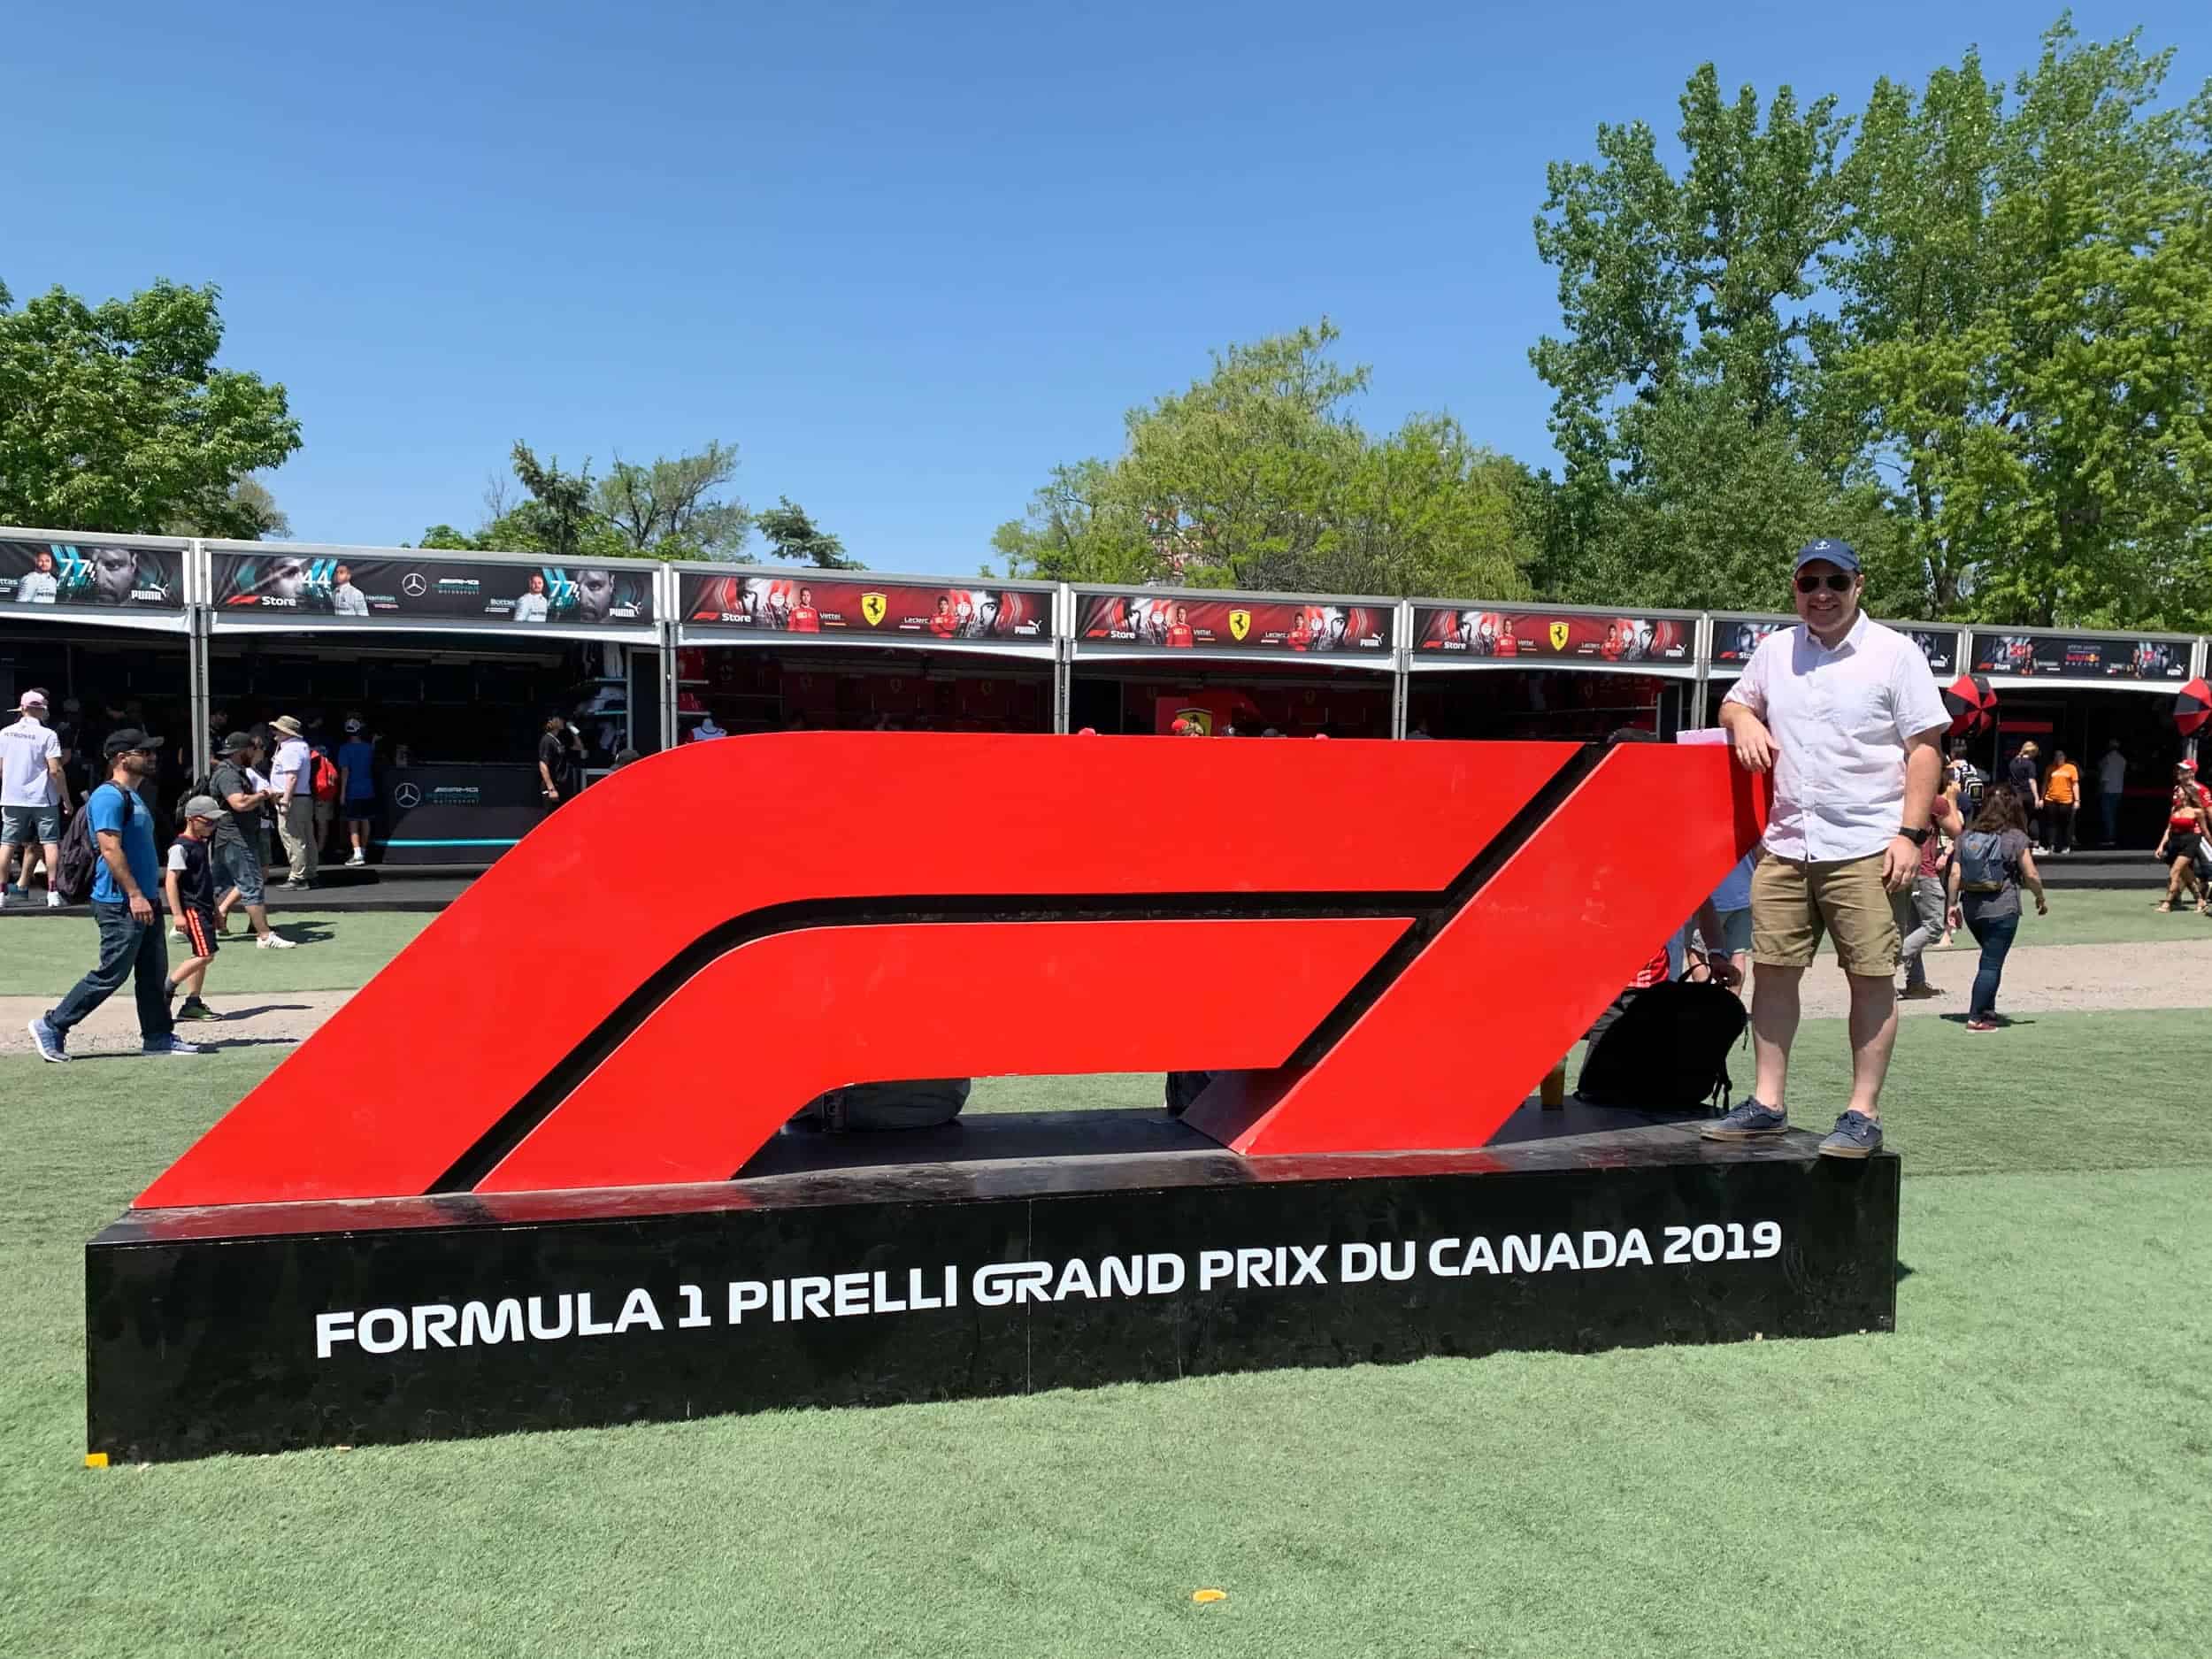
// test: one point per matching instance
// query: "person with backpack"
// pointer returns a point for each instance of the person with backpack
(235, 849)
(1923, 912)
(2183, 843)
(1994, 859)
(132, 946)
(324, 773)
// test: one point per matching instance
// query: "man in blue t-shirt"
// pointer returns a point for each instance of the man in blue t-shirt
(127, 876)
(356, 789)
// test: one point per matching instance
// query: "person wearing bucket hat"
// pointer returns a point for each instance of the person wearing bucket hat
(190, 883)
(292, 778)
(1846, 715)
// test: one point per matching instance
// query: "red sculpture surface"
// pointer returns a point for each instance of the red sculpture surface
(1390, 942)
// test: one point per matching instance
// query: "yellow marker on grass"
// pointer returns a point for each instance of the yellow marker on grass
(1209, 1596)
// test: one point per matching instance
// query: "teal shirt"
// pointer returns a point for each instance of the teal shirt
(108, 808)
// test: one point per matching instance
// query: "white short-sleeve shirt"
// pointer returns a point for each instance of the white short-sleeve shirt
(1841, 720)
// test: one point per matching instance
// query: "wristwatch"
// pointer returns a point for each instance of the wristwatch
(1919, 837)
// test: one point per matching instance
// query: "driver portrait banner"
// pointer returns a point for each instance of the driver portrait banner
(432, 590)
(906, 613)
(2073, 656)
(91, 574)
(1179, 621)
(1553, 635)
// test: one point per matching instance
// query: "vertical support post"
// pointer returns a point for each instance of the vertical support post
(1063, 656)
(1401, 666)
(199, 652)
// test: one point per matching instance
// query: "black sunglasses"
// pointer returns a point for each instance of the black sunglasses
(1838, 582)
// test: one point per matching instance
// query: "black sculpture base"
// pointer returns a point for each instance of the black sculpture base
(1006, 1263)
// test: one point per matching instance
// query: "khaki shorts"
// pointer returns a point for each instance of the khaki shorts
(1792, 904)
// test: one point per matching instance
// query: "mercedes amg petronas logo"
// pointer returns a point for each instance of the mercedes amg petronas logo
(407, 796)
(412, 585)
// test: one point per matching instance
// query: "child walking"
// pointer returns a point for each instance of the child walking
(190, 883)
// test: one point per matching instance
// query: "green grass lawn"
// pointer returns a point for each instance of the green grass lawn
(338, 950)
(2020, 1468)
(2096, 916)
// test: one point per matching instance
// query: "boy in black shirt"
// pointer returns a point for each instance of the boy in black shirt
(190, 881)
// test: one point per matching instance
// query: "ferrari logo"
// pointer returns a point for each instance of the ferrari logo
(1239, 624)
(1559, 636)
(872, 607)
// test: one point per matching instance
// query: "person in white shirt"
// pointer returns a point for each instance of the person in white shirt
(39, 586)
(1846, 715)
(292, 775)
(532, 606)
(2112, 782)
(34, 794)
(346, 600)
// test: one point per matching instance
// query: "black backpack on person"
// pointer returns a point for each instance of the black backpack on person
(1667, 1051)
(79, 862)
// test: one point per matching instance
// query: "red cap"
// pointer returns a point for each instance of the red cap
(1089, 731)
(2187, 765)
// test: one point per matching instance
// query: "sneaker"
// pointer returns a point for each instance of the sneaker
(356, 863)
(1978, 1026)
(295, 887)
(1854, 1135)
(169, 1044)
(1921, 992)
(50, 1041)
(1750, 1121)
(194, 1009)
(275, 942)
(53, 899)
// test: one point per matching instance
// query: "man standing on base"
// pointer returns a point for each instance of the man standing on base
(1846, 714)
(33, 796)
(131, 944)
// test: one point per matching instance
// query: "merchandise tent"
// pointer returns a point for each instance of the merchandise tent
(1554, 672)
(1142, 658)
(776, 649)
(2080, 692)
(451, 661)
(105, 621)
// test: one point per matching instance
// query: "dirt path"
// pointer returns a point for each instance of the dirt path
(249, 1021)
(2046, 980)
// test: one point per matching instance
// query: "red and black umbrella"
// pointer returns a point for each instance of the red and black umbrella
(2193, 706)
(1972, 704)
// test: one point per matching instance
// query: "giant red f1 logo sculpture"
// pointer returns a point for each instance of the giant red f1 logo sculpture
(1385, 945)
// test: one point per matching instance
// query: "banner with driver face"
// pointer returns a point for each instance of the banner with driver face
(429, 589)
(91, 573)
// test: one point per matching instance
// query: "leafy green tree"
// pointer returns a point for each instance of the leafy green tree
(670, 510)
(2024, 338)
(115, 418)
(1257, 475)
(793, 536)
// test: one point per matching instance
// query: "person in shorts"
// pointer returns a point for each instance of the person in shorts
(1846, 715)
(235, 849)
(189, 883)
(34, 797)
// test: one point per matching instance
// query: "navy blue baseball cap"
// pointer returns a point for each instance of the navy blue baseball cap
(1840, 554)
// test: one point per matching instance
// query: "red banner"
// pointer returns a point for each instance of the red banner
(1555, 635)
(1183, 621)
(903, 612)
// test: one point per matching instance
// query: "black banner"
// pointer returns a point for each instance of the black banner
(2073, 656)
(1735, 639)
(1939, 646)
(903, 613)
(432, 590)
(1562, 636)
(1180, 620)
(91, 574)
(455, 815)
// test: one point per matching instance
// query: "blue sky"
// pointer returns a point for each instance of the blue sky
(906, 257)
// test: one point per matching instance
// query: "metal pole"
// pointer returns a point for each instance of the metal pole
(199, 652)
(1063, 656)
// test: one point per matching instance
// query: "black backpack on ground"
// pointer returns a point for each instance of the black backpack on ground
(80, 851)
(1667, 1051)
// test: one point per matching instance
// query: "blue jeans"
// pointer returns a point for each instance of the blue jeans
(128, 951)
(1993, 934)
(2111, 804)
